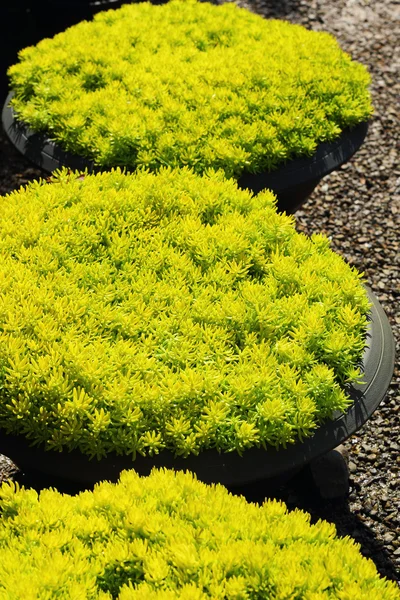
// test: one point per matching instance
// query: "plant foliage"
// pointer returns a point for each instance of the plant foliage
(169, 311)
(170, 537)
(189, 83)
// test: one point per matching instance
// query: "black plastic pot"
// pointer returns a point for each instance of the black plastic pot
(230, 469)
(292, 183)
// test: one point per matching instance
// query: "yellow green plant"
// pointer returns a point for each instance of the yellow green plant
(171, 537)
(150, 311)
(189, 84)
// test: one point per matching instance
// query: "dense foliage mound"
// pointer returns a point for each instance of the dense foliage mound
(189, 84)
(169, 310)
(170, 537)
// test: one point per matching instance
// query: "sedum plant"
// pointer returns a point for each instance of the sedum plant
(169, 311)
(189, 84)
(170, 537)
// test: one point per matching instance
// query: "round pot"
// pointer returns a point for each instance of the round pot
(230, 469)
(292, 183)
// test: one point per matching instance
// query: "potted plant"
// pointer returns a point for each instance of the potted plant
(169, 537)
(188, 83)
(175, 320)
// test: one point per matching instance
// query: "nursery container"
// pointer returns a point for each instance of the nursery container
(76, 227)
(269, 151)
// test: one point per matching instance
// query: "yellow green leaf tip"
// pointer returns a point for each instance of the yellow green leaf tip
(171, 537)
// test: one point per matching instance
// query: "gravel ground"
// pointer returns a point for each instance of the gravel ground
(358, 206)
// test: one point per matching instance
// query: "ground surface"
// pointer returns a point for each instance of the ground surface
(358, 206)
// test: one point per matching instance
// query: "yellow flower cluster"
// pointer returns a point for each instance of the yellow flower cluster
(170, 311)
(170, 537)
(189, 84)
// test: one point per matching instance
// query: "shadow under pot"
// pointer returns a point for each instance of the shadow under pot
(73, 471)
(292, 183)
